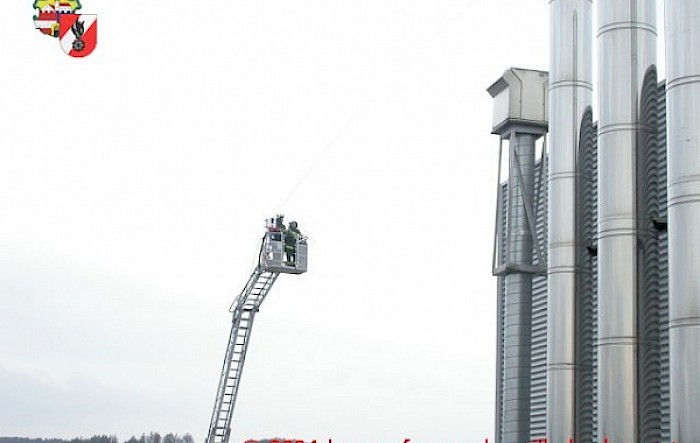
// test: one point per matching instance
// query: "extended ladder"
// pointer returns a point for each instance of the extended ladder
(281, 251)
(244, 308)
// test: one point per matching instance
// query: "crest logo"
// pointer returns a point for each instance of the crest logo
(77, 33)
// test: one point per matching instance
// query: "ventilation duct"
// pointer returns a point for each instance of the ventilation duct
(683, 119)
(627, 53)
(519, 117)
(570, 93)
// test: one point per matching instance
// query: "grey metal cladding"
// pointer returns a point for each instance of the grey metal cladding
(664, 374)
(648, 281)
(653, 388)
(586, 282)
(538, 384)
(501, 295)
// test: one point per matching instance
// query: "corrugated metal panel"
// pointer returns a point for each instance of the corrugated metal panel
(648, 277)
(663, 272)
(501, 366)
(501, 294)
(538, 383)
(586, 285)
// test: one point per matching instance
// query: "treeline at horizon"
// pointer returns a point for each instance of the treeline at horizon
(151, 437)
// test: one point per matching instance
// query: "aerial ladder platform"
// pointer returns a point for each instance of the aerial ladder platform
(283, 251)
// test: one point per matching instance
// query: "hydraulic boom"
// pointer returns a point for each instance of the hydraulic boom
(282, 251)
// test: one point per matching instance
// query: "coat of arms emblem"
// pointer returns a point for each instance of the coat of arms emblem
(77, 33)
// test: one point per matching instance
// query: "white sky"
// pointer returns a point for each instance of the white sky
(134, 185)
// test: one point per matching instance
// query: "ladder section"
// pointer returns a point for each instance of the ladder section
(244, 308)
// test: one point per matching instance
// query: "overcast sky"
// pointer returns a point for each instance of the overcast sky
(134, 185)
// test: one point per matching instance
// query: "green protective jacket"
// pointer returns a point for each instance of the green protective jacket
(290, 239)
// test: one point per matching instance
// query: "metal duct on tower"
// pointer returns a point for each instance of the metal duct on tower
(519, 116)
(518, 308)
(627, 52)
(683, 118)
(570, 94)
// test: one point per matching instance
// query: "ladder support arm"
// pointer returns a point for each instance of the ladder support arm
(244, 308)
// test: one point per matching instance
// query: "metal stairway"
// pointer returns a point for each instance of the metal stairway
(244, 308)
